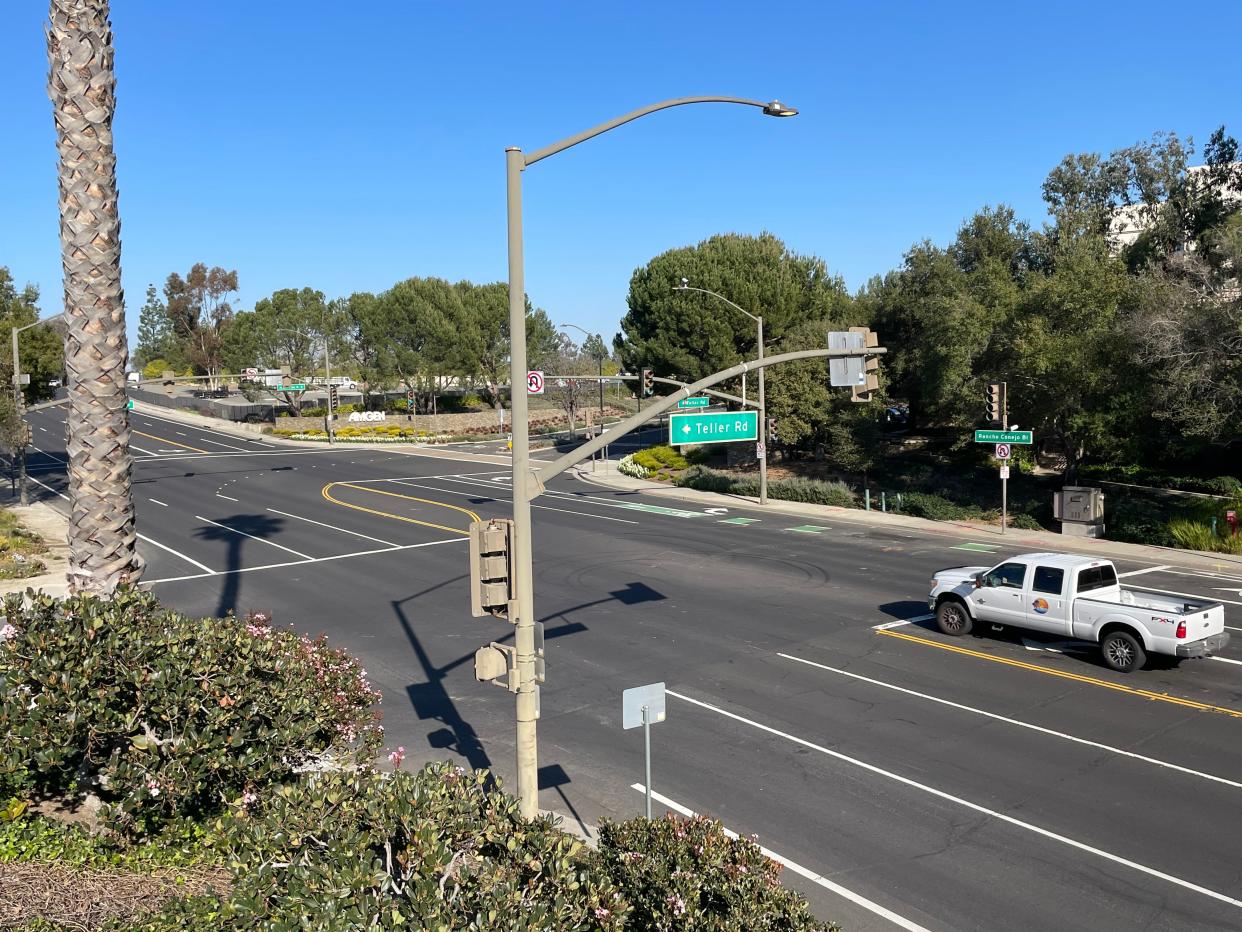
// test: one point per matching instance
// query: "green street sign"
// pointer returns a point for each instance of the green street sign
(697, 401)
(295, 387)
(1004, 436)
(718, 427)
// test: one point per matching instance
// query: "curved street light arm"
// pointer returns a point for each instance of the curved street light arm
(564, 144)
(754, 317)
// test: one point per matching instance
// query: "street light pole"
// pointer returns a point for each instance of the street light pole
(600, 360)
(763, 411)
(17, 400)
(523, 562)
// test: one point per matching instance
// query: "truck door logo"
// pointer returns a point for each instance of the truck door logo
(1041, 606)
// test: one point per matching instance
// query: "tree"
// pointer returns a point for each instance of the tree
(82, 87)
(42, 348)
(200, 312)
(155, 338)
(691, 335)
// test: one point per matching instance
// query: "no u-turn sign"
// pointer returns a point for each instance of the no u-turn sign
(534, 382)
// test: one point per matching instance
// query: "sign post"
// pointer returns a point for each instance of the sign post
(643, 705)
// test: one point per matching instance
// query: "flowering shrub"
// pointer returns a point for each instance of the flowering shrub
(688, 873)
(627, 467)
(160, 715)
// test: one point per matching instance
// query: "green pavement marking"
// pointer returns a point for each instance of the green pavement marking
(979, 548)
(661, 510)
(808, 528)
(741, 521)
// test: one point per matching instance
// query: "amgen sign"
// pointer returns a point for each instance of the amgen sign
(366, 416)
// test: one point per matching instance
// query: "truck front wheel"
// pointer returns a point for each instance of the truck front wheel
(952, 618)
(1122, 652)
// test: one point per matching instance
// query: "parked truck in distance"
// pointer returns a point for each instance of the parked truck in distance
(1078, 597)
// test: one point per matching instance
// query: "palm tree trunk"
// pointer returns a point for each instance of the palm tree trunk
(82, 86)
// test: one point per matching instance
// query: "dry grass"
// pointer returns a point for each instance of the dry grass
(83, 899)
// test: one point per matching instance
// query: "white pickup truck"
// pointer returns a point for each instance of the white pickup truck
(1078, 597)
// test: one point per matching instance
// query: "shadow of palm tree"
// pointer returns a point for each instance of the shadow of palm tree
(235, 533)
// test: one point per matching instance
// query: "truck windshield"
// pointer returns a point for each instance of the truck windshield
(1096, 577)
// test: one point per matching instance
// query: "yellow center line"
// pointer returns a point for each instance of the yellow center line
(175, 443)
(1077, 677)
(325, 491)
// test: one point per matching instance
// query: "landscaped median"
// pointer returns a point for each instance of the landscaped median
(159, 772)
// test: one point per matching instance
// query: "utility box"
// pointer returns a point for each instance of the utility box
(1080, 509)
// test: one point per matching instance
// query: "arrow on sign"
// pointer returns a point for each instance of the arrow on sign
(685, 428)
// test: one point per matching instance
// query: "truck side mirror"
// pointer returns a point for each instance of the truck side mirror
(976, 581)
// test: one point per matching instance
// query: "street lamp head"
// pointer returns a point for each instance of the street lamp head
(777, 109)
(685, 283)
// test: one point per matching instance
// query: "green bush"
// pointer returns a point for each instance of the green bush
(688, 873)
(432, 850)
(1193, 535)
(161, 715)
(1137, 475)
(707, 480)
(811, 491)
(934, 507)
(1139, 522)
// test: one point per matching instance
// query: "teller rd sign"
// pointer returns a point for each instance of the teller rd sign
(717, 427)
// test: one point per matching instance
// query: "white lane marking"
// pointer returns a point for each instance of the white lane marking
(975, 807)
(177, 553)
(203, 429)
(1238, 591)
(855, 898)
(333, 527)
(134, 446)
(579, 497)
(1226, 660)
(1187, 595)
(46, 486)
(217, 443)
(1150, 569)
(1018, 722)
(44, 429)
(904, 621)
(1206, 575)
(51, 455)
(229, 497)
(179, 433)
(157, 501)
(339, 556)
(296, 553)
(172, 451)
(494, 498)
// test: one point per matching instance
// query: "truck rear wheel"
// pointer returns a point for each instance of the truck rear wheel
(1122, 652)
(952, 618)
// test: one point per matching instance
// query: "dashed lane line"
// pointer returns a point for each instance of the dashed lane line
(819, 879)
(808, 529)
(956, 799)
(1064, 674)
(375, 540)
(493, 498)
(264, 540)
(1148, 569)
(177, 553)
(175, 443)
(278, 566)
(1013, 721)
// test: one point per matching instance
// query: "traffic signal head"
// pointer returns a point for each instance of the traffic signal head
(772, 438)
(646, 383)
(870, 374)
(995, 400)
(409, 398)
(333, 395)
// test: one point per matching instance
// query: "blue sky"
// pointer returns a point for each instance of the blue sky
(346, 146)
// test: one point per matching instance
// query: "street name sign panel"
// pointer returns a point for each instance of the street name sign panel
(634, 700)
(295, 387)
(1005, 436)
(697, 401)
(716, 427)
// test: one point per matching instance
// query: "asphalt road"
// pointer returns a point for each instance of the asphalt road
(916, 781)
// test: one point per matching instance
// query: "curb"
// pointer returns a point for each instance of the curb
(1043, 540)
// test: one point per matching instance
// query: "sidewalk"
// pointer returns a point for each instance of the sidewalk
(53, 527)
(1013, 539)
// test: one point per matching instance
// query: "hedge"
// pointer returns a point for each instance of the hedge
(811, 491)
(1138, 475)
(442, 849)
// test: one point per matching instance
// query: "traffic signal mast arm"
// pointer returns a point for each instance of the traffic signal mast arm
(725, 396)
(540, 477)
